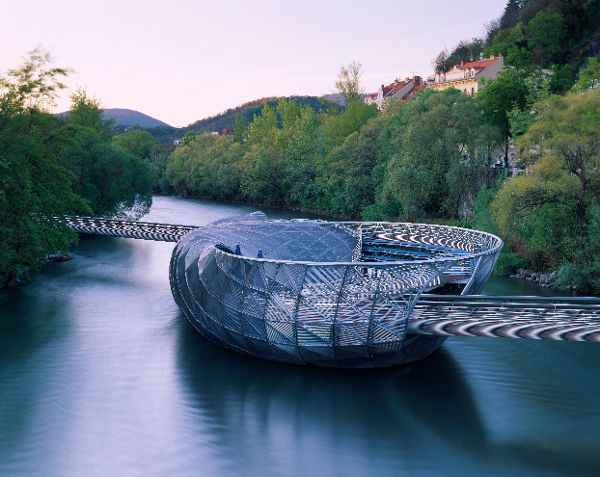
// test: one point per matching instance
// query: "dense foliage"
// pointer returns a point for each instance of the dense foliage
(52, 166)
(552, 214)
(423, 159)
(535, 32)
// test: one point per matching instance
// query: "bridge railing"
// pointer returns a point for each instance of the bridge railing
(531, 317)
(127, 228)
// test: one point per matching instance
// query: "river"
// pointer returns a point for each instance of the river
(101, 376)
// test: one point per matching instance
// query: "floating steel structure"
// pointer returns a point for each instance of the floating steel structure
(347, 294)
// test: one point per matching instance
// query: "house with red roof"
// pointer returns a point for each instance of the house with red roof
(399, 89)
(466, 75)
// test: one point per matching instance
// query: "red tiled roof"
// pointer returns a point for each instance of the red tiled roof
(399, 87)
(415, 90)
(480, 64)
(393, 88)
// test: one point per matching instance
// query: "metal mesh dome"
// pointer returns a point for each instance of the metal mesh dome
(322, 293)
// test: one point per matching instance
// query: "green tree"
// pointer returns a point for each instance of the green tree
(562, 78)
(507, 39)
(339, 126)
(348, 82)
(464, 51)
(500, 96)
(551, 214)
(240, 128)
(138, 142)
(546, 34)
(112, 180)
(589, 76)
(158, 161)
(34, 186)
(511, 13)
(539, 86)
(279, 165)
(303, 146)
(346, 173)
(438, 156)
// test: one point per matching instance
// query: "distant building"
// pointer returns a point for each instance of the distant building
(465, 76)
(399, 89)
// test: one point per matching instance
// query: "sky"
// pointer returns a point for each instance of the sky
(183, 60)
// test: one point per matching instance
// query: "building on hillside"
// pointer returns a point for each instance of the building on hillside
(399, 89)
(223, 132)
(465, 76)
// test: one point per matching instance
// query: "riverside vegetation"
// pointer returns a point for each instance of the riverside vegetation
(52, 165)
(439, 157)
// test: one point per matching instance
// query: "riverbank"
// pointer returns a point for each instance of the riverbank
(542, 279)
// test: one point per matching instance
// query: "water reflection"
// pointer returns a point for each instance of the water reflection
(348, 422)
(298, 416)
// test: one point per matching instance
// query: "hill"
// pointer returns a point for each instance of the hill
(248, 110)
(226, 119)
(130, 118)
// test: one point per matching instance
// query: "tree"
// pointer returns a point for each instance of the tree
(112, 180)
(34, 85)
(441, 62)
(346, 172)
(511, 13)
(568, 129)
(158, 161)
(263, 163)
(551, 214)
(511, 43)
(339, 126)
(501, 95)
(138, 142)
(34, 186)
(561, 79)
(348, 82)
(464, 51)
(435, 149)
(240, 128)
(539, 86)
(546, 35)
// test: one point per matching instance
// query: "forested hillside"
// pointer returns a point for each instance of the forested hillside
(558, 34)
(244, 112)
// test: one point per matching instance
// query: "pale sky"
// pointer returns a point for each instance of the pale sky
(183, 60)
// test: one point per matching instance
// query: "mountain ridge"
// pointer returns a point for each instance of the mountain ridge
(130, 118)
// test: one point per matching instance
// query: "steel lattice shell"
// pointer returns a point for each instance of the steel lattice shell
(316, 292)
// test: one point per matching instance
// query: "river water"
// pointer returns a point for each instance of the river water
(101, 376)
